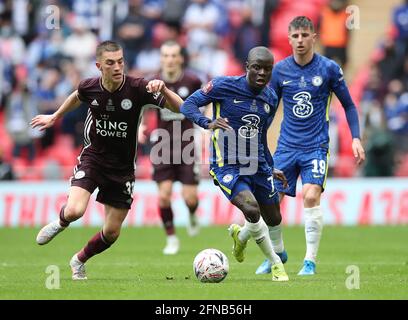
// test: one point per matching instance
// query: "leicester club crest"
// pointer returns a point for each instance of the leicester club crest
(126, 104)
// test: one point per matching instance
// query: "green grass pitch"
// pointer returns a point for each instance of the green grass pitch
(135, 268)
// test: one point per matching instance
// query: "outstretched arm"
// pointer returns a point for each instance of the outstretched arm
(173, 100)
(44, 121)
(190, 109)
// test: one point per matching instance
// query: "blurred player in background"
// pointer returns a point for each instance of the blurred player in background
(240, 162)
(107, 160)
(186, 171)
(305, 82)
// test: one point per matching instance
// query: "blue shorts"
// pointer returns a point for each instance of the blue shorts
(311, 165)
(231, 182)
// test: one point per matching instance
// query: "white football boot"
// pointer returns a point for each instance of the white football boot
(172, 245)
(193, 227)
(78, 268)
(48, 232)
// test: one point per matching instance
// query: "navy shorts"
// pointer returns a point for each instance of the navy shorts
(310, 165)
(231, 182)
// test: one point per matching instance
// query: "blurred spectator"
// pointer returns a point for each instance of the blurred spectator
(247, 35)
(379, 144)
(134, 32)
(12, 53)
(400, 21)
(390, 63)
(73, 122)
(173, 11)
(334, 142)
(12, 47)
(20, 16)
(47, 101)
(334, 35)
(262, 12)
(81, 45)
(110, 12)
(380, 154)
(6, 170)
(375, 88)
(222, 25)
(403, 72)
(20, 109)
(200, 20)
(396, 113)
(46, 46)
(152, 9)
(147, 62)
(87, 10)
(211, 60)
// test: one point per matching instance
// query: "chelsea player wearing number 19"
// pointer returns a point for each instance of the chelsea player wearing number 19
(305, 82)
(240, 162)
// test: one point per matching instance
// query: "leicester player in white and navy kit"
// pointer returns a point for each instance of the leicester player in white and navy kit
(305, 82)
(240, 162)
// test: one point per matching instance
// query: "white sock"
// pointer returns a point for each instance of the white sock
(244, 234)
(313, 231)
(259, 231)
(172, 238)
(275, 233)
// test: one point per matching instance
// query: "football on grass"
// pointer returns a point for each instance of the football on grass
(211, 265)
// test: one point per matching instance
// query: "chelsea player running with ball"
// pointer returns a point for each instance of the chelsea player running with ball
(240, 162)
(305, 82)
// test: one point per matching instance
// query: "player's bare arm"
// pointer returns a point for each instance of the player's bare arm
(219, 123)
(173, 100)
(278, 174)
(358, 150)
(44, 121)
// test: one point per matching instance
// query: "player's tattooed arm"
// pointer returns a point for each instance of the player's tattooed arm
(278, 174)
(173, 100)
(44, 121)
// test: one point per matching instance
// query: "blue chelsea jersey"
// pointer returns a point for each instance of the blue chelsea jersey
(249, 113)
(306, 93)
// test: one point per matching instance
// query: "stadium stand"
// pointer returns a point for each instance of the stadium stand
(52, 66)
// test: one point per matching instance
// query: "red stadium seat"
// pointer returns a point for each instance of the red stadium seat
(402, 169)
(233, 67)
(62, 151)
(281, 18)
(144, 168)
(6, 142)
(20, 167)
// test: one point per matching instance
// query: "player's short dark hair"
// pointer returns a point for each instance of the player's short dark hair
(301, 22)
(110, 46)
(183, 50)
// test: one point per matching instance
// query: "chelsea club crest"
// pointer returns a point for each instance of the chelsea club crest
(317, 81)
(267, 108)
